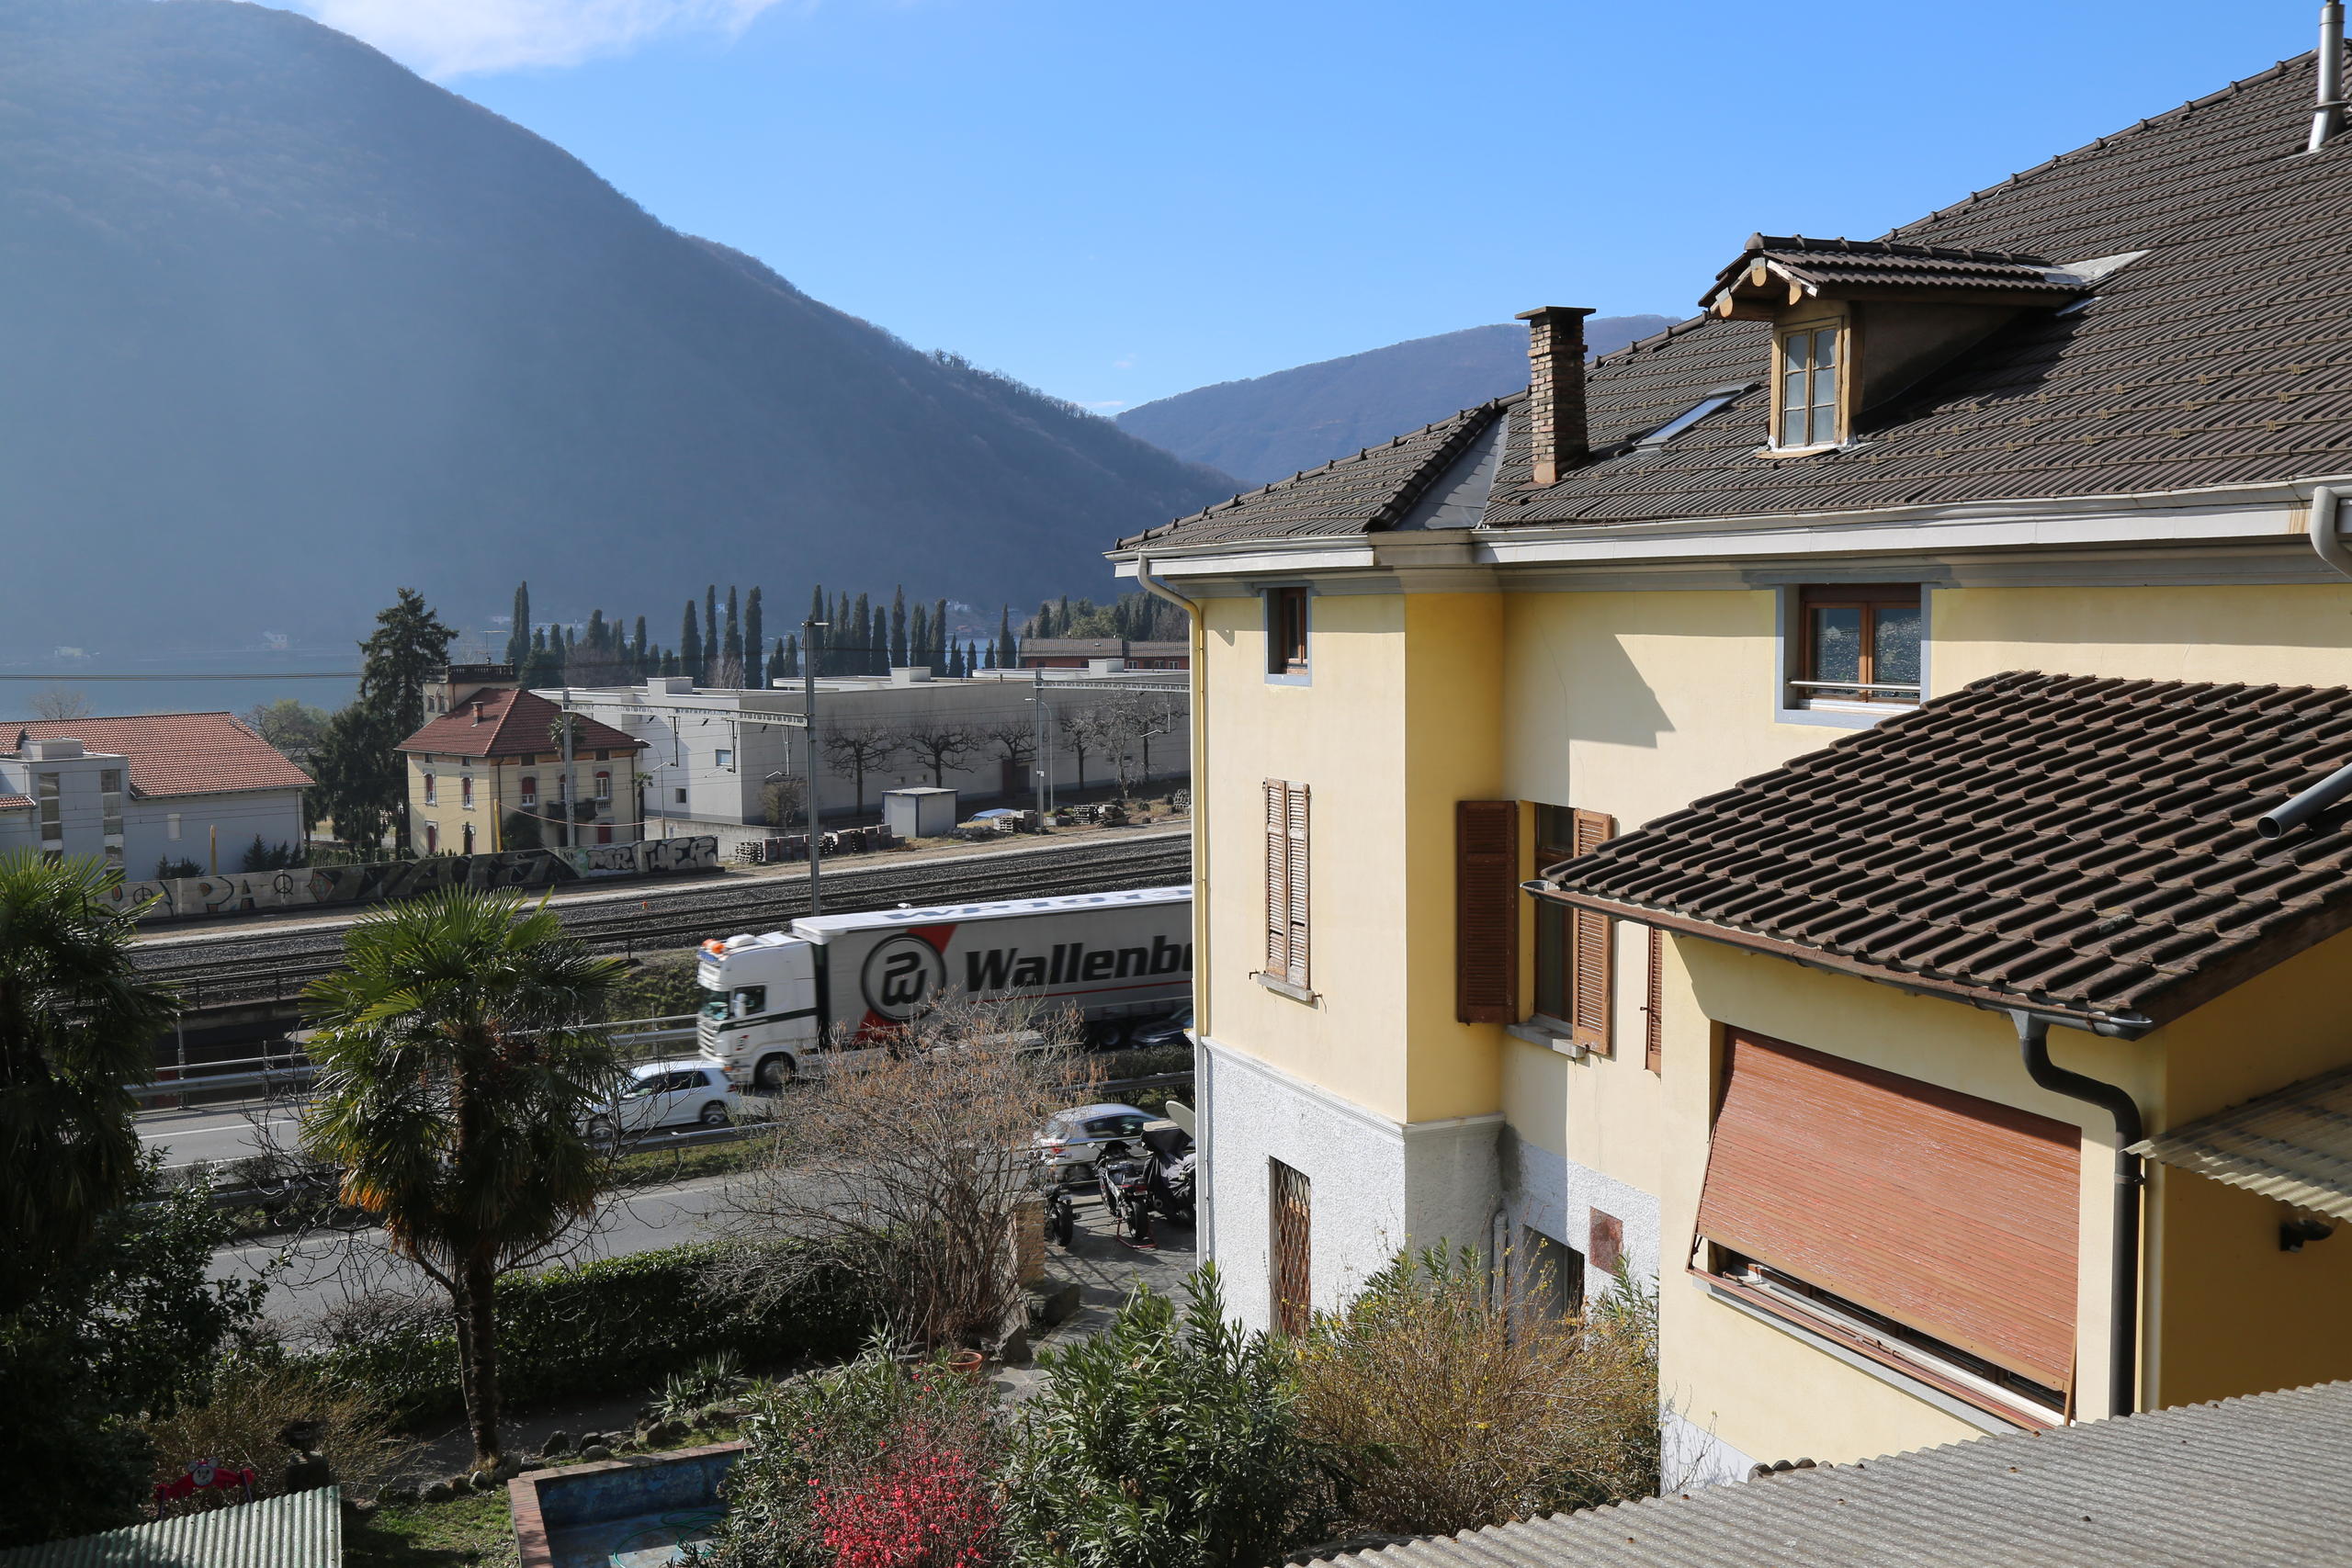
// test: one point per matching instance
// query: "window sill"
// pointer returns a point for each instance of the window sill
(1282, 987)
(1773, 454)
(1919, 1379)
(1554, 1037)
(1287, 679)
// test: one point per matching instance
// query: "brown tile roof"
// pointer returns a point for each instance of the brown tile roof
(15, 802)
(1877, 264)
(175, 753)
(2222, 356)
(513, 724)
(2084, 846)
(1348, 495)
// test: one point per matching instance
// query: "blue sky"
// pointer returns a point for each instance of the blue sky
(1120, 201)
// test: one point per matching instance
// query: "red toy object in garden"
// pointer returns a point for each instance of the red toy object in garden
(204, 1475)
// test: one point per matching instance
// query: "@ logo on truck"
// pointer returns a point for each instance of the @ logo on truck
(899, 974)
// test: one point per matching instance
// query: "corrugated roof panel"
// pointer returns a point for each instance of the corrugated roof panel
(302, 1529)
(2294, 1144)
(2199, 1486)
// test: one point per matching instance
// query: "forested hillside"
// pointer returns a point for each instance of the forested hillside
(285, 325)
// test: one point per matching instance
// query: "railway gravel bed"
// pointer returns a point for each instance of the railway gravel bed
(222, 970)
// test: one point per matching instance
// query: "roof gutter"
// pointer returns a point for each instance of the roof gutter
(2123, 1293)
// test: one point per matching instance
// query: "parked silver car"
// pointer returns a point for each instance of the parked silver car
(1072, 1139)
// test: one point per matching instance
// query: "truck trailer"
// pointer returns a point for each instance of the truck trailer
(776, 1003)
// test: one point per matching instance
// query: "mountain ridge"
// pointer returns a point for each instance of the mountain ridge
(291, 325)
(1263, 428)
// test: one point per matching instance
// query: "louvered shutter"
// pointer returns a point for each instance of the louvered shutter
(1277, 878)
(1590, 943)
(1953, 1214)
(1485, 911)
(1295, 902)
(1654, 1004)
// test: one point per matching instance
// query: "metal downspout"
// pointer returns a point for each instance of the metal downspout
(2326, 543)
(1204, 1087)
(2123, 1334)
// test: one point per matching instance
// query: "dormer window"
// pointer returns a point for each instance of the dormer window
(1811, 356)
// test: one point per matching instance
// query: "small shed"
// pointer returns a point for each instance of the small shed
(919, 813)
(300, 1529)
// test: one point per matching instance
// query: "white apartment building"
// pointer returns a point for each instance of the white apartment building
(135, 791)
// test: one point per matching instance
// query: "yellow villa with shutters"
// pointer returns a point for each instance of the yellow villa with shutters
(1831, 813)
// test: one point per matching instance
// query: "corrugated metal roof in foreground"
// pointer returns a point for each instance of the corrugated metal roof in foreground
(2265, 1479)
(303, 1529)
(2293, 1143)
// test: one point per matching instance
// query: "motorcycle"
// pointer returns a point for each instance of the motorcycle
(1172, 1159)
(1157, 1180)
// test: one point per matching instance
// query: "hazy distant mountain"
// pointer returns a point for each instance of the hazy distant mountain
(284, 325)
(1269, 427)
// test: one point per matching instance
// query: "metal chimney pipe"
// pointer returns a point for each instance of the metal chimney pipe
(2327, 115)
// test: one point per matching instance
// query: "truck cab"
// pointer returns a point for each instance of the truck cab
(760, 1017)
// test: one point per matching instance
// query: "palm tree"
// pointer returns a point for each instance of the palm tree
(77, 1029)
(454, 1079)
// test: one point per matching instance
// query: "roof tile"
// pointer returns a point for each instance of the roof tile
(175, 753)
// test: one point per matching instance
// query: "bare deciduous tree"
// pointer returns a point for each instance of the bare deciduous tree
(59, 702)
(1084, 731)
(858, 749)
(913, 1162)
(1127, 724)
(939, 745)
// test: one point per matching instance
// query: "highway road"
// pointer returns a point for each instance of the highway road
(217, 1135)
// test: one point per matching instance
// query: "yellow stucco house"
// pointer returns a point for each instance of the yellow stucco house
(488, 771)
(1777, 807)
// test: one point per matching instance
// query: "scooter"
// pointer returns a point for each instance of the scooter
(1170, 1175)
(1125, 1178)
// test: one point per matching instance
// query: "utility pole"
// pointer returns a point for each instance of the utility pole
(571, 784)
(1040, 747)
(809, 732)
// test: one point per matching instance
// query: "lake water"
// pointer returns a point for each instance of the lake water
(229, 683)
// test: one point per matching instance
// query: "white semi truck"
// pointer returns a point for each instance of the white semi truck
(774, 1001)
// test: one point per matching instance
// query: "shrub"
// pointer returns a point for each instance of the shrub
(614, 1325)
(873, 1465)
(248, 1401)
(1455, 1403)
(1169, 1439)
(658, 988)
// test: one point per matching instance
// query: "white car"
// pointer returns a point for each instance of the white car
(683, 1093)
(1072, 1139)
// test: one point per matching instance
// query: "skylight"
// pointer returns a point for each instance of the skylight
(1720, 397)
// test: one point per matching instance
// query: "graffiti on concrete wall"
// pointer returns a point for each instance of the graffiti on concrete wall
(194, 897)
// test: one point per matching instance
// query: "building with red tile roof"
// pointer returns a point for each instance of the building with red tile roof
(487, 772)
(145, 790)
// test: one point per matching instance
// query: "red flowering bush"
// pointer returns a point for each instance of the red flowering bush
(926, 1503)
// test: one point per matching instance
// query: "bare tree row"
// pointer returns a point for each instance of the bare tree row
(1119, 732)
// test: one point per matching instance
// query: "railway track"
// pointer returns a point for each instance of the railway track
(277, 964)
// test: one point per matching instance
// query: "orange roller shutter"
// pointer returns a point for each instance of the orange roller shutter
(1952, 1214)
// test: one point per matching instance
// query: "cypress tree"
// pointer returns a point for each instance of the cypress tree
(789, 654)
(939, 635)
(990, 653)
(862, 617)
(518, 635)
(597, 631)
(841, 643)
(756, 642)
(690, 645)
(636, 653)
(710, 634)
(1005, 655)
(878, 639)
(898, 626)
(919, 636)
(731, 650)
(815, 651)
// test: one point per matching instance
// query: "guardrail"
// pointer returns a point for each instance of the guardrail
(291, 1071)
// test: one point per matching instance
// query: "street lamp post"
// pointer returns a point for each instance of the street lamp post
(809, 742)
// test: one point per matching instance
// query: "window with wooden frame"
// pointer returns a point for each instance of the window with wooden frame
(1860, 644)
(1287, 885)
(1931, 1231)
(1286, 631)
(1574, 948)
(1808, 360)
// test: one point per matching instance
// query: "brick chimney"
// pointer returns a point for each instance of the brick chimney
(1555, 388)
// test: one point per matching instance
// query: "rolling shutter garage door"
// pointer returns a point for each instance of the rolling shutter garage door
(1944, 1212)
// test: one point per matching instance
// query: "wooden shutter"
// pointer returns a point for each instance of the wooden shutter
(1292, 1235)
(1654, 1004)
(1952, 1214)
(1592, 939)
(1277, 878)
(1485, 911)
(1295, 868)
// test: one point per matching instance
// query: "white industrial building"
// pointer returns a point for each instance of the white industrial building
(710, 751)
(135, 791)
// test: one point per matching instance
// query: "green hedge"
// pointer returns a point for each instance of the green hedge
(617, 1325)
